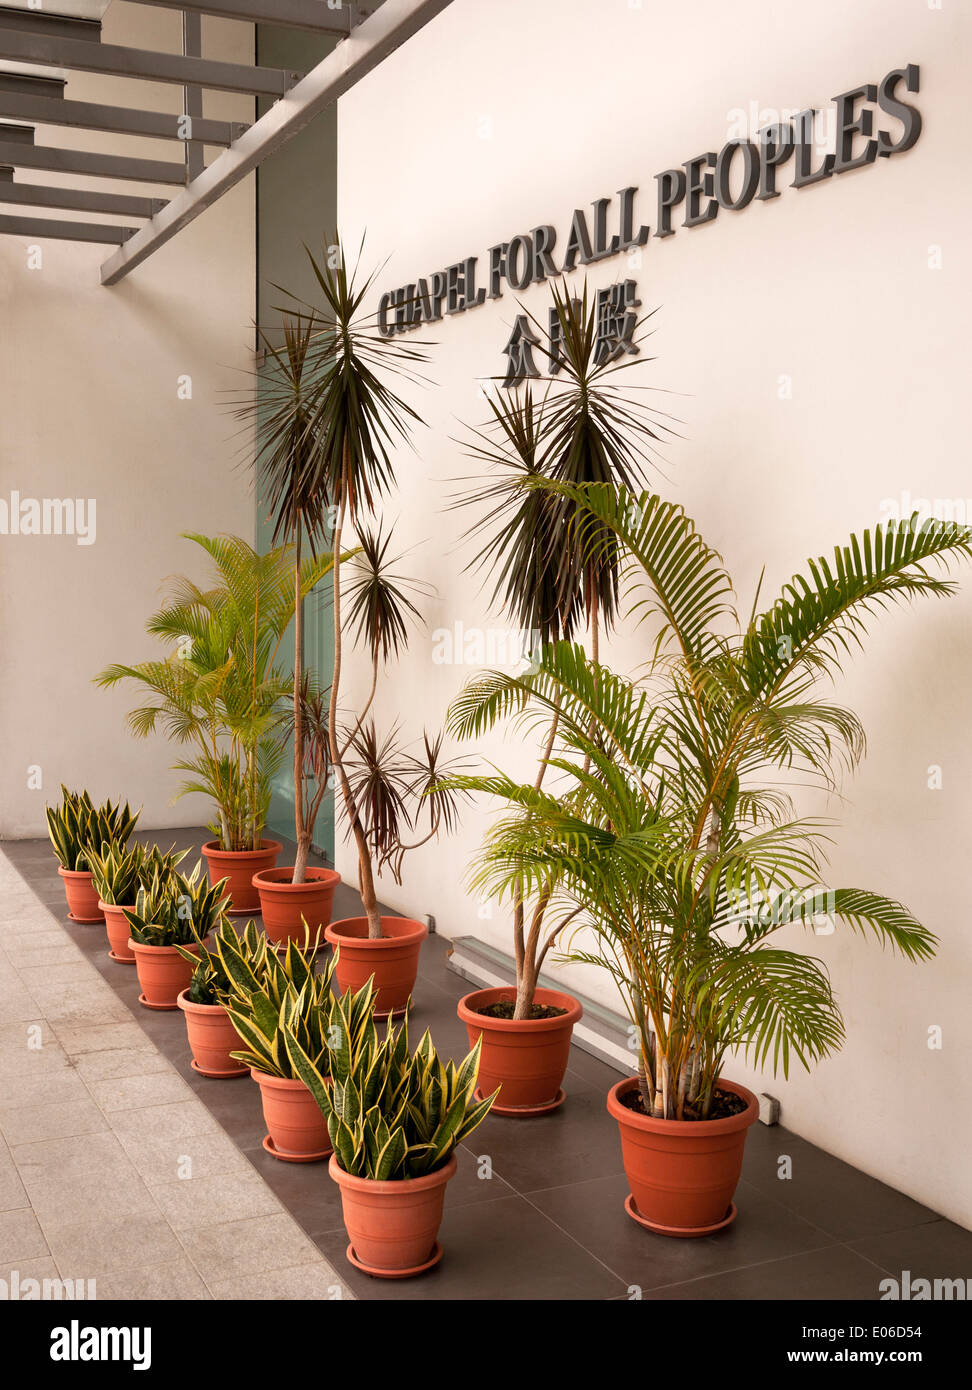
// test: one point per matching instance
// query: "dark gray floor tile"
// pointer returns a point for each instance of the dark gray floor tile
(570, 1145)
(935, 1250)
(841, 1200)
(833, 1273)
(593, 1213)
(502, 1250)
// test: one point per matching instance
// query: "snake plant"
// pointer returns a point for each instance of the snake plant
(210, 983)
(268, 995)
(176, 909)
(390, 1114)
(76, 827)
(118, 872)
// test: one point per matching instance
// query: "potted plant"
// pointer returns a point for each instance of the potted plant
(264, 1001)
(583, 430)
(174, 910)
(117, 873)
(395, 1120)
(219, 690)
(674, 839)
(212, 1036)
(325, 420)
(76, 828)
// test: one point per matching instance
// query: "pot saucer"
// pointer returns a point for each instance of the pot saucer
(684, 1232)
(86, 921)
(430, 1263)
(524, 1112)
(121, 960)
(274, 1152)
(219, 1075)
(164, 1008)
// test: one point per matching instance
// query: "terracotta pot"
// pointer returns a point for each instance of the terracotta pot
(297, 1128)
(119, 932)
(239, 866)
(526, 1058)
(393, 1226)
(82, 900)
(285, 904)
(162, 973)
(682, 1173)
(392, 959)
(211, 1039)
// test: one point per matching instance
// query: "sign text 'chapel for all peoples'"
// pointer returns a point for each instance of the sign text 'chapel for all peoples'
(701, 186)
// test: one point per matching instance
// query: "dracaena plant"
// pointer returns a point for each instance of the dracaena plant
(219, 689)
(326, 420)
(391, 1114)
(269, 995)
(77, 827)
(117, 871)
(671, 833)
(586, 429)
(176, 909)
(210, 983)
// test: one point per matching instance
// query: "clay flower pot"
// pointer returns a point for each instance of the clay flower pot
(682, 1173)
(119, 932)
(162, 973)
(527, 1058)
(392, 959)
(239, 866)
(297, 1128)
(82, 900)
(284, 903)
(211, 1039)
(393, 1226)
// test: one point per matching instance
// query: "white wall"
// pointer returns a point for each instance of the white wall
(91, 410)
(500, 116)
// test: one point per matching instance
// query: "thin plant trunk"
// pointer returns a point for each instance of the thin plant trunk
(527, 967)
(595, 658)
(303, 834)
(366, 877)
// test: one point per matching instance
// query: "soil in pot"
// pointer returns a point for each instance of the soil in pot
(525, 1058)
(285, 905)
(296, 1128)
(212, 1038)
(392, 958)
(82, 899)
(239, 866)
(162, 974)
(118, 932)
(393, 1227)
(682, 1173)
(724, 1104)
(505, 1008)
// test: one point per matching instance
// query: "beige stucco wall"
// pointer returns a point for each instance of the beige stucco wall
(504, 115)
(92, 409)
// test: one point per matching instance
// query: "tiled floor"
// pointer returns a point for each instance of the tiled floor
(111, 1169)
(535, 1211)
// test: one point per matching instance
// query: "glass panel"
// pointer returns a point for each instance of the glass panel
(296, 204)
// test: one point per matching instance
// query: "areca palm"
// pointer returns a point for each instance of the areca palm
(672, 834)
(220, 687)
